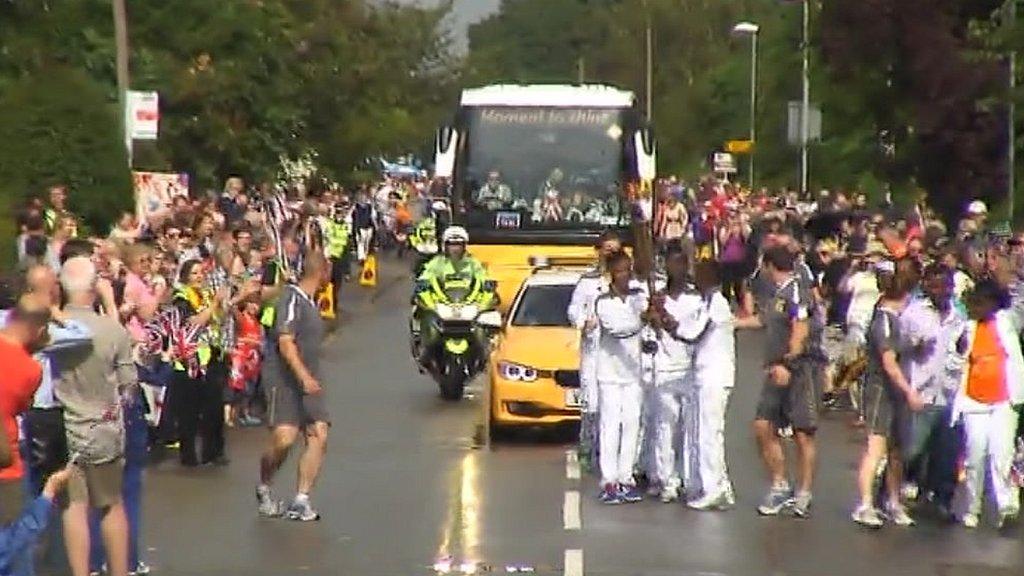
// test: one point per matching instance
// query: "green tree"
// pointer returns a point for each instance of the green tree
(60, 127)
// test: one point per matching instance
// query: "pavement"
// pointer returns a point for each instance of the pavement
(407, 482)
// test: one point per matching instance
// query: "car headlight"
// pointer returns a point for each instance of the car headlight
(517, 372)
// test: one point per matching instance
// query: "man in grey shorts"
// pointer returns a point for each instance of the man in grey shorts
(295, 400)
(789, 397)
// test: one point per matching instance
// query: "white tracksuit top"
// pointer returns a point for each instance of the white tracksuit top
(618, 348)
(581, 307)
(675, 356)
(715, 346)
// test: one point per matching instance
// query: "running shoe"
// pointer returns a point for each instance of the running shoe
(969, 520)
(909, 492)
(302, 511)
(868, 516)
(1007, 517)
(897, 514)
(720, 501)
(669, 494)
(610, 494)
(777, 499)
(141, 569)
(802, 505)
(630, 494)
(266, 505)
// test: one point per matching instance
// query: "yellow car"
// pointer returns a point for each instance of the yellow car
(534, 366)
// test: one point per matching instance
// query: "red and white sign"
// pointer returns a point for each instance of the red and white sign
(143, 115)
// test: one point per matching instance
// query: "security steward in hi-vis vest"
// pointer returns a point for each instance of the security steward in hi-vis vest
(338, 232)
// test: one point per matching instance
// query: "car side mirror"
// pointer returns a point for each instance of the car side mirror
(490, 319)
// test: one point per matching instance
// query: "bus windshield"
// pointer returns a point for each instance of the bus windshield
(542, 167)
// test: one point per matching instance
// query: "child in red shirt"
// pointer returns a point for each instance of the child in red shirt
(245, 362)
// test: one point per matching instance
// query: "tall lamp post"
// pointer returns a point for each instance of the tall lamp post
(805, 107)
(751, 29)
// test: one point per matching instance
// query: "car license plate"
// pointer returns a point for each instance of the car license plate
(573, 398)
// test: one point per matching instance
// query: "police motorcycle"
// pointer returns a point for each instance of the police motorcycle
(459, 313)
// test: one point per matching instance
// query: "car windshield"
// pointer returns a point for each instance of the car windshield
(544, 306)
(535, 167)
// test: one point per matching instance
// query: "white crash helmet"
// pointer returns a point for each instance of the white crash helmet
(977, 208)
(455, 235)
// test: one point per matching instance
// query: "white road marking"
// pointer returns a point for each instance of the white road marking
(571, 511)
(572, 465)
(573, 563)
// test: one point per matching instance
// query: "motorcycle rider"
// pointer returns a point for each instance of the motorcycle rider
(424, 236)
(453, 264)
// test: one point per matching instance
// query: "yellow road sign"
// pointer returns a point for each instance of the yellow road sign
(739, 146)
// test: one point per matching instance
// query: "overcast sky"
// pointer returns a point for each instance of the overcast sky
(464, 13)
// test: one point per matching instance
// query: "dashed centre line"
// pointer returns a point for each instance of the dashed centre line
(573, 563)
(572, 465)
(571, 517)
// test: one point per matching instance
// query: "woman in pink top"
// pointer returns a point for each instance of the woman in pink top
(141, 300)
(732, 254)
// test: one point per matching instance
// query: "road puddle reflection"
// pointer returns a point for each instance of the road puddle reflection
(459, 548)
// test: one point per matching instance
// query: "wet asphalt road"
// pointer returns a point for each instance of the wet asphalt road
(406, 483)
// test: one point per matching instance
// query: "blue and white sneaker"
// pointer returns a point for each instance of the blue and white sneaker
(778, 499)
(610, 495)
(301, 511)
(630, 494)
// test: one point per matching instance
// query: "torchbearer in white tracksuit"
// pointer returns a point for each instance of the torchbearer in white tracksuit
(714, 365)
(581, 315)
(620, 314)
(992, 387)
(674, 405)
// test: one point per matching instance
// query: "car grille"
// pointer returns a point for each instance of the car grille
(567, 378)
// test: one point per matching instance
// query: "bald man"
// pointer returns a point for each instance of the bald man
(291, 377)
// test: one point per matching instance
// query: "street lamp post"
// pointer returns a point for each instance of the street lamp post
(751, 29)
(649, 62)
(805, 107)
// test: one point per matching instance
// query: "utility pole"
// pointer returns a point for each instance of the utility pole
(1011, 126)
(649, 49)
(121, 39)
(753, 105)
(805, 108)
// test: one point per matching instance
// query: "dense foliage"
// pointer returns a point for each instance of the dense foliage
(241, 83)
(912, 91)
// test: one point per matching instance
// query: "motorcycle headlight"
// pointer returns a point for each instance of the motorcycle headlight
(517, 372)
(444, 311)
(469, 312)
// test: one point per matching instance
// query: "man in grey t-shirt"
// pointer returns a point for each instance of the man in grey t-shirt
(92, 382)
(295, 399)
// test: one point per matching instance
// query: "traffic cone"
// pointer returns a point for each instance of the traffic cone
(368, 277)
(325, 301)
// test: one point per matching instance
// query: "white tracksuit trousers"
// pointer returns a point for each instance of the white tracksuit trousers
(363, 238)
(676, 434)
(713, 400)
(990, 434)
(620, 406)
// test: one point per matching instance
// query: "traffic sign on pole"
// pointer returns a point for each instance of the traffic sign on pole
(739, 146)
